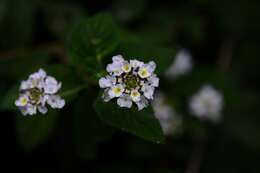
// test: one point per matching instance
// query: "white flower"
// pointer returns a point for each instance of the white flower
(142, 103)
(153, 81)
(118, 59)
(126, 67)
(165, 113)
(31, 109)
(129, 81)
(207, 104)
(135, 95)
(148, 91)
(51, 85)
(182, 65)
(107, 81)
(116, 91)
(125, 101)
(135, 63)
(116, 67)
(38, 90)
(56, 101)
(22, 100)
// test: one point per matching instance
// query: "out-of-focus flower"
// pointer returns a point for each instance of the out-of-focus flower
(165, 113)
(38, 91)
(129, 81)
(207, 104)
(182, 65)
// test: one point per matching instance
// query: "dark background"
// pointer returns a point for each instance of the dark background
(221, 34)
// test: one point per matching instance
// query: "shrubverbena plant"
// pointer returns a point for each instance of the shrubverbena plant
(126, 82)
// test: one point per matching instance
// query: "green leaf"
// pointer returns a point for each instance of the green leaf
(88, 128)
(91, 40)
(163, 57)
(139, 123)
(34, 130)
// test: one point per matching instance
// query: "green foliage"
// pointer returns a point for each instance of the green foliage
(88, 128)
(222, 37)
(140, 123)
(34, 130)
(91, 40)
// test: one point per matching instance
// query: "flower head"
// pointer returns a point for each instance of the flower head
(38, 91)
(207, 103)
(182, 64)
(129, 81)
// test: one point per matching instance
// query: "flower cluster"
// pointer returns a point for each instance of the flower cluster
(129, 81)
(170, 121)
(207, 104)
(37, 91)
(182, 64)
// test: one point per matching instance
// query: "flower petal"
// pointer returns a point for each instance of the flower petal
(118, 59)
(56, 101)
(51, 85)
(148, 91)
(125, 101)
(42, 109)
(142, 103)
(154, 81)
(104, 82)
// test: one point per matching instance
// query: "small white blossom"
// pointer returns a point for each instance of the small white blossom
(135, 63)
(38, 90)
(142, 103)
(148, 91)
(135, 95)
(130, 82)
(51, 85)
(165, 113)
(55, 101)
(125, 101)
(207, 104)
(182, 65)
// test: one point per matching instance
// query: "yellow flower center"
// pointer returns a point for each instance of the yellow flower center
(143, 73)
(126, 68)
(117, 91)
(23, 101)
(135, 94)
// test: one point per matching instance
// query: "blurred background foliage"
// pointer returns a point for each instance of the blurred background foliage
(73, 40)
